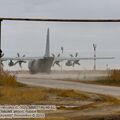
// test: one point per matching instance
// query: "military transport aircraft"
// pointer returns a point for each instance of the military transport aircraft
(43, 64)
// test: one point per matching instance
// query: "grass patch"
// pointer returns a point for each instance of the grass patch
(21, 95)
(33, 95)
(105, 82)
(113, 79)
(12, 92)
(69, 94)
(7, 79)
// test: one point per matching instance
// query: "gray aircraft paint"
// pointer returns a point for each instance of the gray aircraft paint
(42, 65)
(47, 52)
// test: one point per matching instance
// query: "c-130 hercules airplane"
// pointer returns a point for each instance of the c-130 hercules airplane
(43, 64)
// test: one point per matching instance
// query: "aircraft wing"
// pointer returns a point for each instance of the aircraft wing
(55, 59)
(81, 58)
(20, 58)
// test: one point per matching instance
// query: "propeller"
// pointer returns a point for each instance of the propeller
(62, 49)
(69, 63)
(75, 61)
(19, 55)
(20, 61)
(11, 63)
(76, 54)
(56, 62)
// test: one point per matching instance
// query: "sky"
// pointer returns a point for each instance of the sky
(29, 37)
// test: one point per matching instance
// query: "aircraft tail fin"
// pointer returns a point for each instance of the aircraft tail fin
(47, 51)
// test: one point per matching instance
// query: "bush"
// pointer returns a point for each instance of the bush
(7, 80)
(115, 75)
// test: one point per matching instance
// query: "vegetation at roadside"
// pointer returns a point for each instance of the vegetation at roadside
(113, 79)
(12, 92)
(9, 80)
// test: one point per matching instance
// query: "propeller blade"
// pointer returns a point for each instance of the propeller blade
(71, 55)
(2, 63)
(76, 62)
(53, 55)
(20, 64)
(73, 64)
(20, 61)
(58, 55)
(62, 49)
(18, 54)
(2, 55)
(58, 64)
(23, 56)
(76, 54)
(24, 61)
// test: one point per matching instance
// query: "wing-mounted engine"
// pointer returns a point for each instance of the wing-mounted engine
(56, 62)
(20, 61)
(75, 62)
(11, 63)
(69, 63)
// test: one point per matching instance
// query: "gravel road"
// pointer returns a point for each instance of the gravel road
(36, 80)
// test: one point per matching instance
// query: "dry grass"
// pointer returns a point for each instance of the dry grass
(51, 118)
(69, 94)
(12, 92)
(15, 93)
(97, 117)
(8, 80)
(31, 95)
(115, 75)
(21, 95)
(113, 79)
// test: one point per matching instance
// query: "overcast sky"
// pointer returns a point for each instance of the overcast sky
(30, 37)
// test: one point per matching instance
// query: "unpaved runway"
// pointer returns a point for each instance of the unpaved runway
(55, 83)
(71, 75)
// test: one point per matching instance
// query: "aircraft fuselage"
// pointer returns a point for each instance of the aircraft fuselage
(41, 65)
